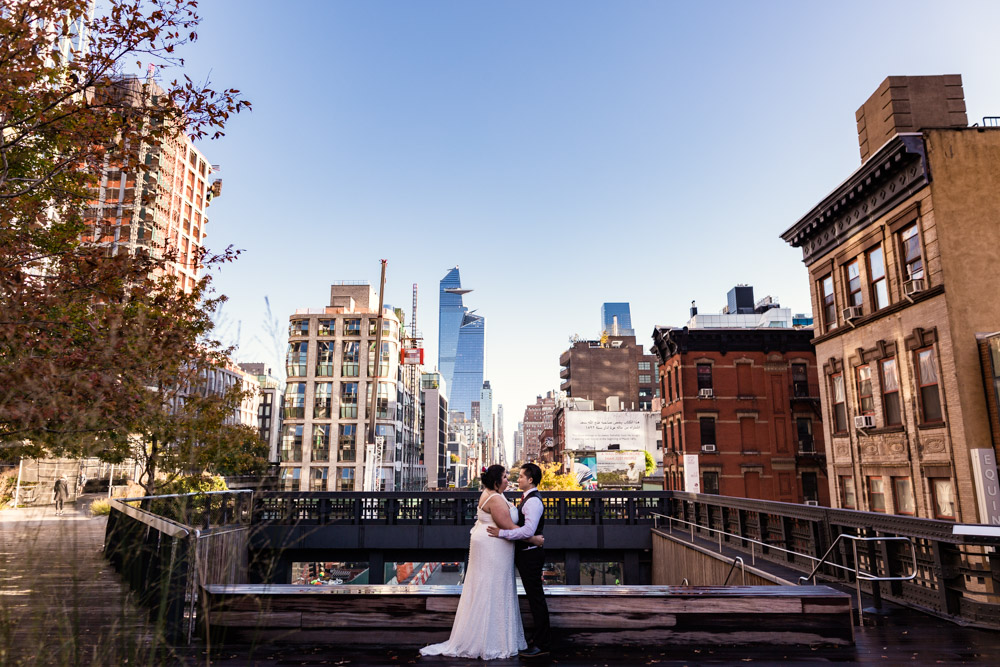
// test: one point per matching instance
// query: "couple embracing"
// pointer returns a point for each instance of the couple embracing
(488, 620)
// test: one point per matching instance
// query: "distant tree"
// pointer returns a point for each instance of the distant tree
(650, 463)
(553, 480)
(101, 355)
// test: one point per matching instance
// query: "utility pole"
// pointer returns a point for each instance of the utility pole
(374, 448)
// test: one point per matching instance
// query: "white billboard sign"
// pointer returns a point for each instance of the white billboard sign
(592, 430)
(692, 476)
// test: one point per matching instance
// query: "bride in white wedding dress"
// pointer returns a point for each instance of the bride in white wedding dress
(488, 620)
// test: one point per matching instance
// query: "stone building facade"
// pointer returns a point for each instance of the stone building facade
(902, 259)
(746, 402)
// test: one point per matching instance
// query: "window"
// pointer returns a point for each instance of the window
(853, 272)
(350, 366)
(677, 436)
(325, 327)
(829, 305)
(645, 379)
(710, 482)
(643, 365)
(317, 479)
(677, 382)
(839, 404)
(800, 380)
(670, 386)
(810, 486)
(383, 367)
(803, 426)
(295, 400)
(847, 499)
(295, 362)
(298, 328)
(345, 480)
(290, 478)
(927, 380)
(322, 400)
(866, 402)
(876, 279)
(890, 393)
(913, 260)
(943, 494)
(876, 494)
(387, 327)
(707, 425)
(385, 391)
(748, 434)
(348, 400)
(704, 376)
(347, 442)
(324, 358)
(902, 492)
(291, 443)
(352, 326)
(321, 442)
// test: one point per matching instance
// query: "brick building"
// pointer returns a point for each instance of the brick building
(902, 261)
(746, 402)
(537, 418)
(614, 367)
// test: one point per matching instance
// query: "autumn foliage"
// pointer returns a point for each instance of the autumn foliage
(100, 352)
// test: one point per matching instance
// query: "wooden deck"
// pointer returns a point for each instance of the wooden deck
(60, 603)
(412, 616)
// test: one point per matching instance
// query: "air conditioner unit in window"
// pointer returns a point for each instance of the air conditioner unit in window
(853, 313)
(708, 448)
(812, 503)
(705, 393)
(911, 287)
(864, 421)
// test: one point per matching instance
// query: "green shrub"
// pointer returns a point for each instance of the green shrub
(100, 507)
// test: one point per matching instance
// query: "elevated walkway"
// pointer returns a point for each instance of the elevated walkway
(413, 616)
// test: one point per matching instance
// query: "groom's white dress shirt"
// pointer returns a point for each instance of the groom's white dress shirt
(532, 510)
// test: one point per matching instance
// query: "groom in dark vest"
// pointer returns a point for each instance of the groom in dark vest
(528, 558)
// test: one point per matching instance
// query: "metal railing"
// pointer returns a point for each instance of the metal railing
(743, 568)
(858, 573)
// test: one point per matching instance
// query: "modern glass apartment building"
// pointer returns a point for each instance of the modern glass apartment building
(620, 310)
(331, 370)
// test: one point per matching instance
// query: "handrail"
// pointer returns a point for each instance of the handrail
(743, 567)
(858, 574)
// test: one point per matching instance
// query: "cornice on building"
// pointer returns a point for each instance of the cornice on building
(668, 342)
(894, 173)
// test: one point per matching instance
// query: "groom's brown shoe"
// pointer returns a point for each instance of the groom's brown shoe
(533, 652)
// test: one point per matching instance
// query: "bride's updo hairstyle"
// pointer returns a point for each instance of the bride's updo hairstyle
(491, 478)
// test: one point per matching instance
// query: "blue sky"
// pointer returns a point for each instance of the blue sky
(563, 154)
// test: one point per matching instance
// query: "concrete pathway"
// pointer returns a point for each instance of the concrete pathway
(60, 602)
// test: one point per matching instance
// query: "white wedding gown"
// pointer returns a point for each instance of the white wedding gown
(488, 620)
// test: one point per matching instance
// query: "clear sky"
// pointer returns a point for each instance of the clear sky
(563, 154)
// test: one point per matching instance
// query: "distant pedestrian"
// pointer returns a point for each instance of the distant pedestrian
(83, 483)
(60, 492)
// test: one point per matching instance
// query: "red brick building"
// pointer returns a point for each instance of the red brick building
(746, 401)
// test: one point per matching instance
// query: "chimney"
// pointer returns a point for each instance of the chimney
(909, 104)
(694, 309)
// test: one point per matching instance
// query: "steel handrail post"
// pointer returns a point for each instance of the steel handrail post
(857, 582)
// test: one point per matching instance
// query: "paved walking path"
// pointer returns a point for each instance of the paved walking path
(60, 602)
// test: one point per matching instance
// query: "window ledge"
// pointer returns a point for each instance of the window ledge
(931, 426)
(887, 429)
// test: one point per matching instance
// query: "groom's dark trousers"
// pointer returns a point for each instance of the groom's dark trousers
(529, 564)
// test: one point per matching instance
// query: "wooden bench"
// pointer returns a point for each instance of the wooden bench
(412, 616)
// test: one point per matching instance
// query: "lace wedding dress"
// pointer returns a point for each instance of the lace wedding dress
(488, 620)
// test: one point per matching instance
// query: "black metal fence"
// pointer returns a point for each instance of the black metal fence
(152, 543)
(957, 577)
(451, 508)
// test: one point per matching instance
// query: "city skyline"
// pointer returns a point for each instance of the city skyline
(533, 145)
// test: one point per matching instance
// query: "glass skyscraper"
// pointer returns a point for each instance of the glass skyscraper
(609, 311)
(461, 345)
(450, 315)
(468, 382)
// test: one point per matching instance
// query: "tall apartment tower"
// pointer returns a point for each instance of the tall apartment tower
(461, 345)
(331, 372)
(537, 419)
(903, 273)
(164, 206)
(616, 319)
(434, 429)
